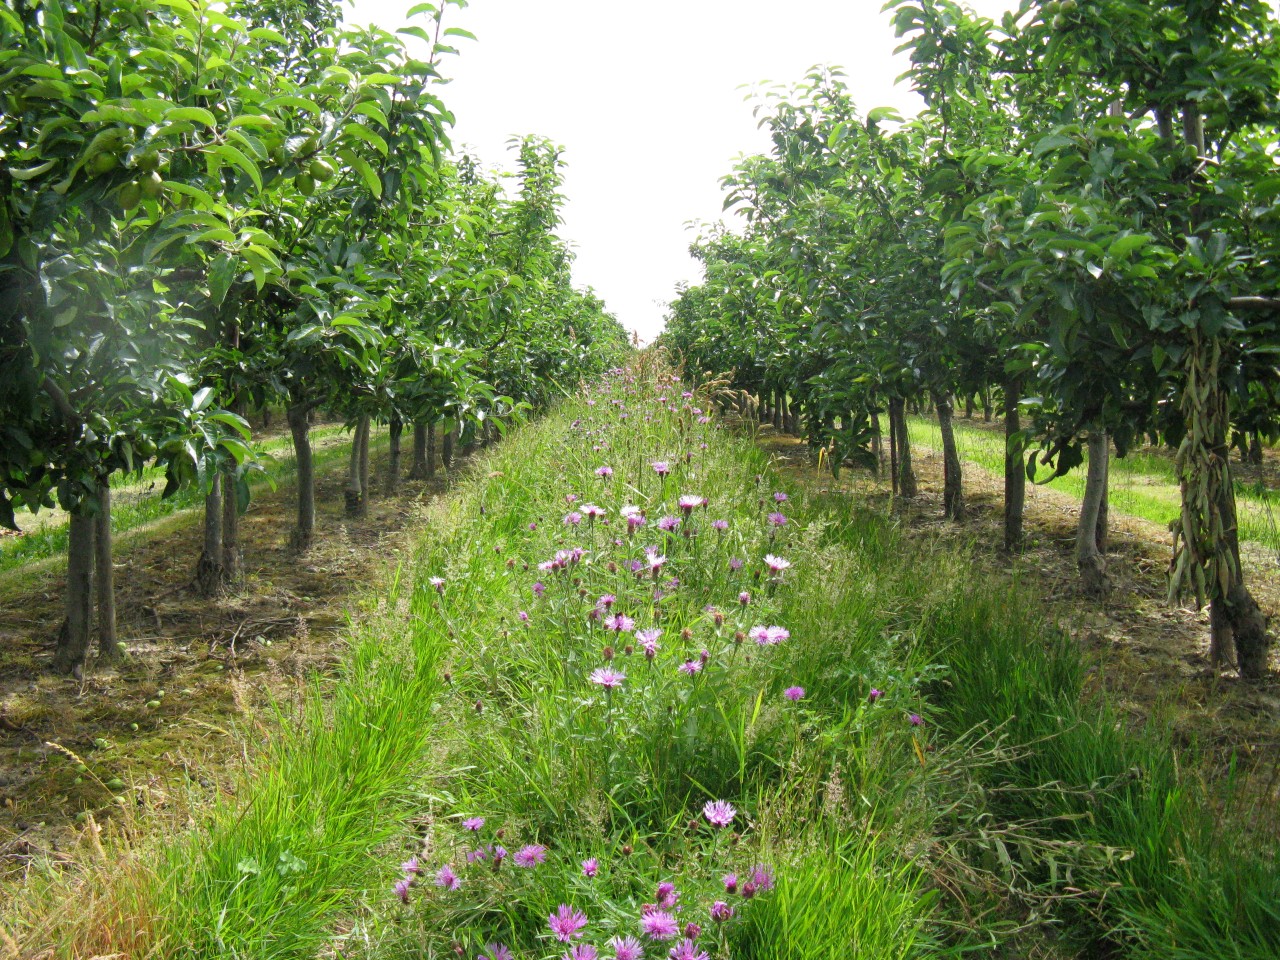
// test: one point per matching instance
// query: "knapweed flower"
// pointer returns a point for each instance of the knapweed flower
(499, 853)
(691, 667)
(668, 524)
(438, 583)
(626, 948)
(730, 881)
(667, 895)
(689, 502)
(496, 951)
(590, 867)
(735, 564)
(659, 925)
(532, 526)
(474, 824)
(478, 855)
(530, 855)
(719, 813)
(524, 617)
(570, 498)
(794, 694)
(402, 889)
(607, 677)
(654, 559)
(539, 589)
(687, 950)
(606, 601)
(762, 877)
(583, 951)
(661, 467)
(604, 472)
(593, 511)
(744, 598)
(445, 877)
(780, 497)
(619, 623)
(572, 518)
(769, 636)
(721, 911)
(411, 866)
(875, 695)
(567, 923)
(915, 719)
(776, 564)
(778, 519)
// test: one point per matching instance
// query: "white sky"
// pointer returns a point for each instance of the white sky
(646, 101)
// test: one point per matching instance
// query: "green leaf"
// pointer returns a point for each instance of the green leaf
(192, 114)
(1123, 246)
(1055, 141)
(368, 174)
(32, 172)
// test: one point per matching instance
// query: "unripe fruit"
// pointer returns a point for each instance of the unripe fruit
(1061, 23)
(152, 185)
(321, 170)
(103, 163)
(1067, 7)
(129, 196)
(304, 184)
(115, 783)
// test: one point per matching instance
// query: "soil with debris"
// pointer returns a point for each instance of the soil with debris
(174, 717)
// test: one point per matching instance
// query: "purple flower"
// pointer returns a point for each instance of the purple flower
(619, 623)
(730, 881)
(721, 525)
(438, 583)
(539, 589)
(776, 564)
(778, 519)
(721, 911)
(691, 667)
(915, 719)
(402, 889)
(572, 518)
(689, 502)
(524, 617)
(497, 951)
(735, 563)
(499, 853)
(411, 866)
(794, 693)
(530, 855)
(654, 559)
(661, 467)
(780, 497)
(668, 524)
(473, 823)
(769, 636)
(667, 895)
(567, 923)
(532, 526)
(590, 867)
(570, 498)
(591, 511)
(719, 813)
(762, 877)
(875, 695)
(583, 951)
(604, 472)
(477, 855)
(659, 925)
(607, 677)
(744, 598)
(606, 601)
(446, 878)
(626, 948)
(687, 950)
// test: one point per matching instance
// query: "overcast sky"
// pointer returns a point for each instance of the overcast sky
(647, 101)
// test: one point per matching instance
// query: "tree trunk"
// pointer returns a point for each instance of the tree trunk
(1090, 561)
(952, 478)
(893, 448)
(354, 493)
(986, 404)
(394, 432)
(1015, 476)
(306, 526)
(905, 472)
(877, 441)
(1255, 448)
(786, 413)
(968, 406)
(232, 556)
(1248, 624)
(73, 639)
(446, 446)
(365, 490)
(777, 410)
(420, 469)
(431, 451)
(209, 570)
(105, 578)
(1102, 531)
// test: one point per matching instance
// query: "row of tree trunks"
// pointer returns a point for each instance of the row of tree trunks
(952, 478)
(357, 490)
(88, 565)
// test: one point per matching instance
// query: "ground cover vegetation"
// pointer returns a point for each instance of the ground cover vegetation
(634, 697)
(209, 207)
(1078, 226)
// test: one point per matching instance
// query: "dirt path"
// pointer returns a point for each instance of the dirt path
(166, 728)
(1150, 659)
